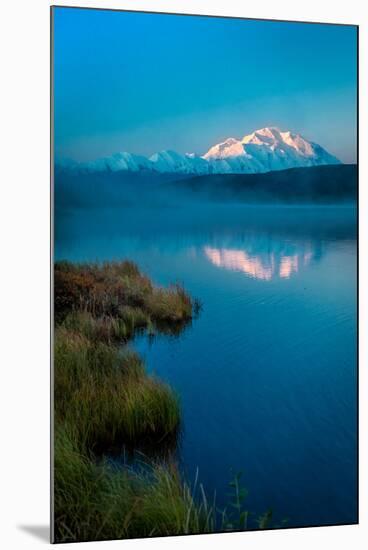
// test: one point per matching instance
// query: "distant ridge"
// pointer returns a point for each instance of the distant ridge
(315, 185)
(264, 150)
(318, 184)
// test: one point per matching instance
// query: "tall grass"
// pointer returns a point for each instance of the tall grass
(108, 397)
(104, 392)
(94, 500)
(106, 402)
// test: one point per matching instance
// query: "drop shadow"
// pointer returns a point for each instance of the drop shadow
(41, 532)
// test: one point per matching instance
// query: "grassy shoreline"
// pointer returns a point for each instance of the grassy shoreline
(105, 402)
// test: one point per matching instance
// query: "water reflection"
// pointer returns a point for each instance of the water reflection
(273, 354)
(274, 263)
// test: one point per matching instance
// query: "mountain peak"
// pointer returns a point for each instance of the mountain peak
(269, 131)
(267, 149)
(231, 147)
(264, 135)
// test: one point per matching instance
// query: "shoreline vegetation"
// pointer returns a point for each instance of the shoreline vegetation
(106, 403)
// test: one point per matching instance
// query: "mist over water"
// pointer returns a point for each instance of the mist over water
(267, 373)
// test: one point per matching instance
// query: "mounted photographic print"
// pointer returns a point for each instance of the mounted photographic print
(204, 178)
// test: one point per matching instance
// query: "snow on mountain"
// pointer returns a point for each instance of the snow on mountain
(264, 150)
(119, 161)
(269, 149)
(170, 161)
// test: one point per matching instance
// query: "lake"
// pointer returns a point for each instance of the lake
(267, 373)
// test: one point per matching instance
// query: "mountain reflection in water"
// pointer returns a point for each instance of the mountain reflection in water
(264, 266)
(267, 372)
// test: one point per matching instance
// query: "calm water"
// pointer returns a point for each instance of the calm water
(267, 373)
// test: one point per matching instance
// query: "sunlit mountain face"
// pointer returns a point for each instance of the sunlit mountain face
(263, 150)
(263, 266)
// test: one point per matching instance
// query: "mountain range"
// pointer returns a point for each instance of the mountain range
(264, 150)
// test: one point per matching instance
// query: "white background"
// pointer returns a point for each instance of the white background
(24, 269)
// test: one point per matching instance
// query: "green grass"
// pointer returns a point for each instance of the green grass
(94, 500)
(106, 402)
(107, 396)
(103, 390)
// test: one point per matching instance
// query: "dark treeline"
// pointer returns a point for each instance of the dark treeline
(320, 185)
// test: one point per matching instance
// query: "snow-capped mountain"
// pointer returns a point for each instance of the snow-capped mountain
(118, 161)
(170, 161)
(269, 149)
(264, 150)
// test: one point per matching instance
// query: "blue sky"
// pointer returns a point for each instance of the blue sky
(146, 82)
